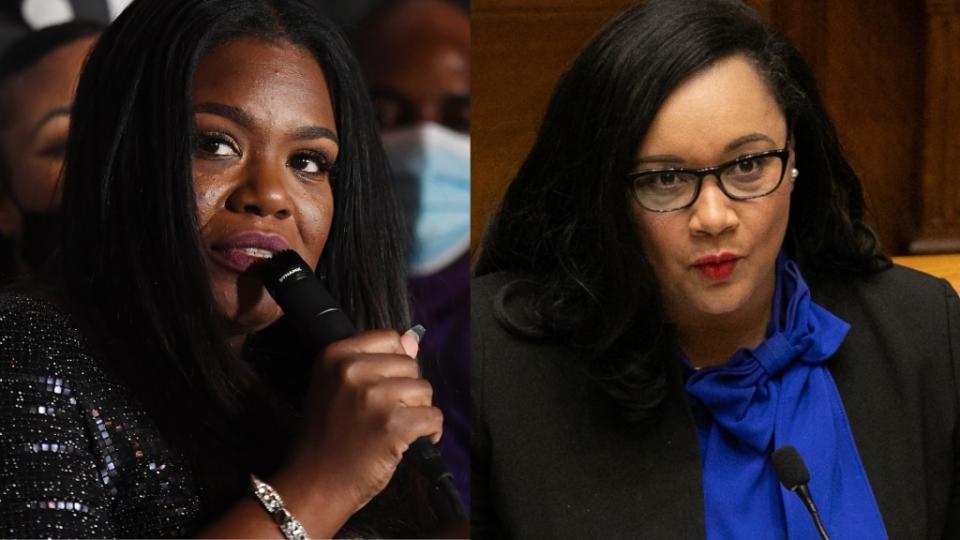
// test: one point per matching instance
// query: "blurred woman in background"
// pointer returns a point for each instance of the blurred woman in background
(38, 79)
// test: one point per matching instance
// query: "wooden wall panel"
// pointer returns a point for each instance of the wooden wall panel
(870, 70)
(940, 201)
(520, 49)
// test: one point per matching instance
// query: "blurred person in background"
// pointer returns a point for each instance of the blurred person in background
(416, 58)
(38, 79)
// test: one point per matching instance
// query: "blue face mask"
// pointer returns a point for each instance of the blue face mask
(431, 164)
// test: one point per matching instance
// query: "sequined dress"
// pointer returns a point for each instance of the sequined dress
(79, 457)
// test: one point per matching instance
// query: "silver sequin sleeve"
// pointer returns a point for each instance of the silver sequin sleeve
(79, 457)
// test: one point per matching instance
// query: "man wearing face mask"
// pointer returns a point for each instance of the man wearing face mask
(416, 58)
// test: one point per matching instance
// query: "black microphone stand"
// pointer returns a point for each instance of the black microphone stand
(804, 493)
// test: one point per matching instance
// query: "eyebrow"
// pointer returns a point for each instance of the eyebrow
(731, 146)
(740, 141)
(241, 117)
(315, 132)
(61, 111)
(226, 111)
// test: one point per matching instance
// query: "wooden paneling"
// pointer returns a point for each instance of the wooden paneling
(520, 49)
(870, 70)
(940, 209)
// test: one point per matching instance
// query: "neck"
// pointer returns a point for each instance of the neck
(710, 340)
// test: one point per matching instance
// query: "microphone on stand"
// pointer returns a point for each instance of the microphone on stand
(793, 474)
(318, 317)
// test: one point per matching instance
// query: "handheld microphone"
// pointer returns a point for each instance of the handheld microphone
(793, 474)
(315, 313)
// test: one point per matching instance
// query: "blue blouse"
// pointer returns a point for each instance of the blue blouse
(780, 394)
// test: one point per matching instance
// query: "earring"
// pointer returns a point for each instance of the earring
(794, 173)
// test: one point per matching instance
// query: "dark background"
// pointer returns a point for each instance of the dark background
(346, 12)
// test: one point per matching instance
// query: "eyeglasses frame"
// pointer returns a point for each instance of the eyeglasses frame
(783, 154)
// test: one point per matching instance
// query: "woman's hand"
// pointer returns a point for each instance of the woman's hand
(366, 405)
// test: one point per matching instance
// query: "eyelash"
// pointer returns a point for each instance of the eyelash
(322, 161)
(324, 167)
(215, 137)
(57, 149)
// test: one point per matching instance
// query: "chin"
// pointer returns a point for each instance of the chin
(255, 318)
(719, 302)
(246, 306)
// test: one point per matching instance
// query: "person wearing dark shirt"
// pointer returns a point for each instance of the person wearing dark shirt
(679, 285)
(149, 385)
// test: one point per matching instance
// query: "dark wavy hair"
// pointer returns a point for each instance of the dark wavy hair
(563, 230)
(131, 262)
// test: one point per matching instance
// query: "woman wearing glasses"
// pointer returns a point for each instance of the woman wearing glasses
(679, 283)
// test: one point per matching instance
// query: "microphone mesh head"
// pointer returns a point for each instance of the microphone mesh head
(789, 467)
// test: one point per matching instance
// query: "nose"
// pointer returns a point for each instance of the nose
(712, 213)
(426, 111)
(263, 189)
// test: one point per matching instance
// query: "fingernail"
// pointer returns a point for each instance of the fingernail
(417, 331)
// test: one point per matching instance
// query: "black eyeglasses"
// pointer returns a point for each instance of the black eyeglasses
(747, 177)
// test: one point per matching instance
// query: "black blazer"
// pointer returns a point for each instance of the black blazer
(552, 457)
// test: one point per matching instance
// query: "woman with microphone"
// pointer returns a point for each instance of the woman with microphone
(679, 283)
(150, 386)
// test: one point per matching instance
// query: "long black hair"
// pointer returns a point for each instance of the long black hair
(131, 261)
(563, 229)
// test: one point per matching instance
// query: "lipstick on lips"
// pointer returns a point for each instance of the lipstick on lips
(240, 251)
(717, 267)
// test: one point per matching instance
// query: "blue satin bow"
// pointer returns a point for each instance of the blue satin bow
(779, 394)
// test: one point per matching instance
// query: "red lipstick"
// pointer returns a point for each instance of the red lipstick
(240, 251)
(717, 267)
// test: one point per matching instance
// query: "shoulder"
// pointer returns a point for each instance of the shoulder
(21, 307)
(484, 288)
(493, 299)
(897, 286)
(84, 455)
(903, 343)
(898, 298)
(896, 372)
(483, 293)
(39, 336)
(498, 297)
(486, 329)
(509, 367)
(899, 305)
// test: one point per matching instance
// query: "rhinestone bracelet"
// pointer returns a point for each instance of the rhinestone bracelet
(289, 525)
